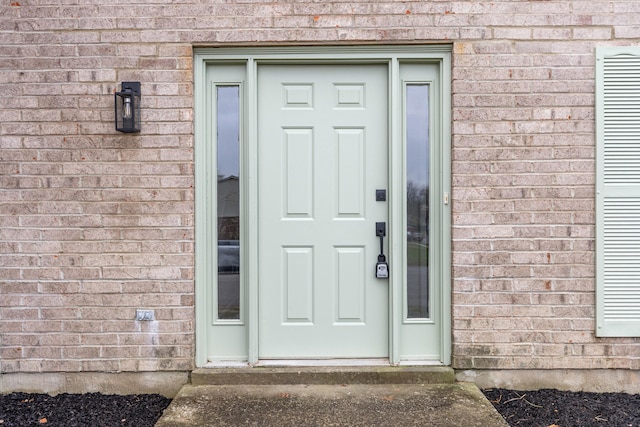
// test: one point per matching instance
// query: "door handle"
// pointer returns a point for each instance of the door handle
(382, 268)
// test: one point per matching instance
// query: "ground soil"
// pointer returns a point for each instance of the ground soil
(542, 408)
(545, 408)
(80, 410)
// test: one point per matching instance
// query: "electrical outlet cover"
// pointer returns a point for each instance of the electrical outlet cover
(144, 315)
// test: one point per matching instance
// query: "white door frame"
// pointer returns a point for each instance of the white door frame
(205, 252)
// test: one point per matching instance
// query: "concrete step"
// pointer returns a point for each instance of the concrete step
(284, 405)
(324, 375)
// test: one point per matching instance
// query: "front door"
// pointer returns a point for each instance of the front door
(303, 143)
(322, 154)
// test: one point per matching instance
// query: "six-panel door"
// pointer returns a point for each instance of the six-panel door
(322, 146)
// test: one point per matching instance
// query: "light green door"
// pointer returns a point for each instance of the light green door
(322, 154)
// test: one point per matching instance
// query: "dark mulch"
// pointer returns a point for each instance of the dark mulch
(71, 410)
(544, 408)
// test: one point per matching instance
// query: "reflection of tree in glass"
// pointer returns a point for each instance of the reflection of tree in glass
(417, 250)
(417, 212)
(228, 208)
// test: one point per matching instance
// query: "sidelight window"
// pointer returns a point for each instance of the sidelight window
(228, 191)
(417, 196)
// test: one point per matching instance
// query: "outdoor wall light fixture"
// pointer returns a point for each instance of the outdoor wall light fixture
(127, 104)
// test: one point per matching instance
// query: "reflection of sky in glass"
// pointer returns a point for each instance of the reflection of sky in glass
(228, 118)
(418, 134)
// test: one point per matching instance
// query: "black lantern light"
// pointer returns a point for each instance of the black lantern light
(128, 107)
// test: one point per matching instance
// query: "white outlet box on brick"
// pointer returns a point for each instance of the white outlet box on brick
(145, 315)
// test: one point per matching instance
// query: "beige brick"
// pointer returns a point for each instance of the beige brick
(107, 220)
(83, 352)
(59, 340)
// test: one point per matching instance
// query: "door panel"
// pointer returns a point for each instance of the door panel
(298, 174)
(350, 171)
(298, 285)
(351, 295)
(322, 153)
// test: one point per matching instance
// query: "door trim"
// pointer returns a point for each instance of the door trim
(393, 56)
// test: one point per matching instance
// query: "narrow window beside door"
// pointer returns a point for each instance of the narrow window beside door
(417, 137)
(228, 190)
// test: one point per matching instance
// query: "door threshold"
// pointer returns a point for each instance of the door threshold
(322, 362)
(225, 364)
(282, 363)
(421, 363)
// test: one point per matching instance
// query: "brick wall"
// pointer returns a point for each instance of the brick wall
(523, 177)
(94, 224)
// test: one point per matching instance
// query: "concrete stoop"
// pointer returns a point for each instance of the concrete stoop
(329, 396)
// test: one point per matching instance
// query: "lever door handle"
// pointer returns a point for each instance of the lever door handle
(382, 268)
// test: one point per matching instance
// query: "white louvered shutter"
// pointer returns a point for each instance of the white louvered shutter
(618, 192)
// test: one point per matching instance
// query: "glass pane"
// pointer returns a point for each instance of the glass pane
(228, 149)
(417, 135)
